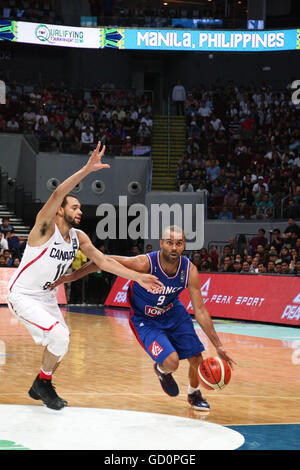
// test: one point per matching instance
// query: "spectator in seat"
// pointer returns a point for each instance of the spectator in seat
(271, 267)
(294, 254)
(16, 262)
(144, 131)
(228, 265)
(277, 241)
(265, 208)
(260, 186)
(292, 211)
(246, 201)
(278, 266)
(286, 267)
(127, 147)
(12, 125)
(291, 227)
(7, 257)
(13, 243)
(2, 262)
(57, 134)
(237, 267)
(186, 187)
(214, 255)
(225, 214)
(262, 252)
(261, 268)
(128, 123)
(148, 120)
(87, 137)
(205, 267)
(245, 268)
(258, 239)
(285, 254)
(231, 200)
(197, 261)
(3, 242)
(213, 170)
(297, 266)
(204, 110)
(29, 117)
(241, 246)
(6, 226)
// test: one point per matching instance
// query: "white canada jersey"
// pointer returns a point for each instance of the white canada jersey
(42, 265)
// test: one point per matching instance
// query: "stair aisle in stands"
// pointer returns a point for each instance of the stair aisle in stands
(162, 179)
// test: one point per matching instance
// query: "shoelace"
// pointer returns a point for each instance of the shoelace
(50, 388)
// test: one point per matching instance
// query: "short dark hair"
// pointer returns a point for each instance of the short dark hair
(65, 199)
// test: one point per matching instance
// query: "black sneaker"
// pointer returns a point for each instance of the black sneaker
(167, 382)
(43, 389)
(198, 402)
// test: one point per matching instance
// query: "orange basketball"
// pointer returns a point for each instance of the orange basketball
(214, 373)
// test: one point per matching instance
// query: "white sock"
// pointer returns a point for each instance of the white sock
(191, 389)
(159, 369)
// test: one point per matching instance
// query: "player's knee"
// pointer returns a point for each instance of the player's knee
(171, 363)
(58, 340)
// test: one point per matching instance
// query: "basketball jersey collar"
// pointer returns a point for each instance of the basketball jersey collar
(163, 272)
(71, 234)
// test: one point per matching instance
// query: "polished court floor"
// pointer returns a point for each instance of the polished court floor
(106, 371)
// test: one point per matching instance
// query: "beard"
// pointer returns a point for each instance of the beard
(171, 259)
(71, 221)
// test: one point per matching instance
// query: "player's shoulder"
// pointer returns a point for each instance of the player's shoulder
(81, 235)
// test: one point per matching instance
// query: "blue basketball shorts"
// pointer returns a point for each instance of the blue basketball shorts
(159, 340)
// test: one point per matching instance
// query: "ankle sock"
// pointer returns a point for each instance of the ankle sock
(191, 390)
(159, 369)
(45, 374)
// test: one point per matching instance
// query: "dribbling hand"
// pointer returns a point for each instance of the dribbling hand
(223, 355)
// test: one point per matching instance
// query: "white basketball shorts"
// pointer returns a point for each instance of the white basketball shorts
(38, 315)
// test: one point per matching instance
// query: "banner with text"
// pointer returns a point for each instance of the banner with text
(270, 299)
(6, 274)
(150, 39)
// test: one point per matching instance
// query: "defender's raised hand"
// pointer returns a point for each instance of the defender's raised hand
(94, 163)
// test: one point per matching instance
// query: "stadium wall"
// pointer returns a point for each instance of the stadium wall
(130, 69)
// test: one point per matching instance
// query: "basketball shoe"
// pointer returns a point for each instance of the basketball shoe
(43, 389)
(167, 382)
(196, 400)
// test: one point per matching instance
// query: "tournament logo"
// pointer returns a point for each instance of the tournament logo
(59, 34)
(42, 32)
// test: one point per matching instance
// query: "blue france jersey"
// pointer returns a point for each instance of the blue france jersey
(162, 305)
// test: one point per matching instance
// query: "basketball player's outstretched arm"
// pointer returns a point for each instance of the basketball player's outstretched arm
(136, 263)
(202, 315)
(108, 264)
(45, 220)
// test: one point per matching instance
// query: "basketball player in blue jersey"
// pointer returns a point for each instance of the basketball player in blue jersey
(159, 320)
(51, 248)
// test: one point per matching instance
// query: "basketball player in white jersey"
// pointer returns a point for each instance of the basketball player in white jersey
(50, 250)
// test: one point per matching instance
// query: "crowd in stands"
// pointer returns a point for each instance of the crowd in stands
(254, 255)
(151, 13)
(73, 121)
(249, 254)
(31, 10)
(243, 151)
(11, 247)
